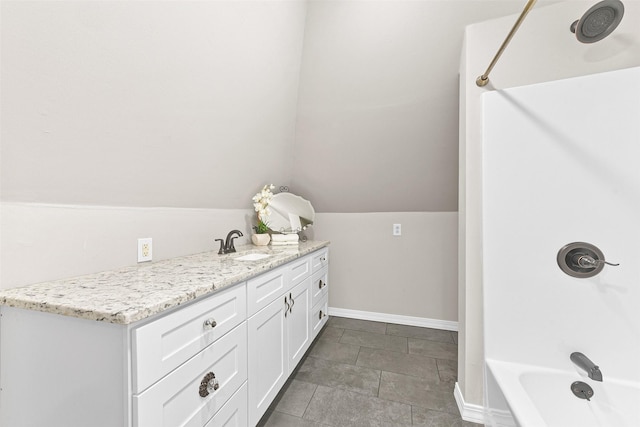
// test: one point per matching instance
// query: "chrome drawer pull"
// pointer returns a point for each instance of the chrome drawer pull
(286, 310)
(320, 285)
(292, 302)
(209, 324)
(208, 384)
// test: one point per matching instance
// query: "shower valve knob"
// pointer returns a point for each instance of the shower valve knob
(582, 260)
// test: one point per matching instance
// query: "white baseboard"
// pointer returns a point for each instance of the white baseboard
(468, 411)
(424, 322)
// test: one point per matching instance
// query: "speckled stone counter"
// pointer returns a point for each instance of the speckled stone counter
(134, 293)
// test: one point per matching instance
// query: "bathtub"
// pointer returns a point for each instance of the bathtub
(541, 397)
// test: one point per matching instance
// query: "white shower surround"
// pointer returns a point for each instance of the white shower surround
(561, 164)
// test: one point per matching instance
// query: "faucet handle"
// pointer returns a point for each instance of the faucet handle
(221, 251)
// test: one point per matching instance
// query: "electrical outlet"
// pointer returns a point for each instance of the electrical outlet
(397, 229)
(145, 249)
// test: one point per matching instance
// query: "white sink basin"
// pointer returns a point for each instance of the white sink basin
(252, 257)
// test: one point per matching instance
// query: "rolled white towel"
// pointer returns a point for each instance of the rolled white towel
(285, 238)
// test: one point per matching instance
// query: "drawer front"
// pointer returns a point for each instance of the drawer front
(176, 399)
(319, 285)
(164, 344)
(234, 412)
(319, 260)
(264, 289)
(319, 316)
(299, 270)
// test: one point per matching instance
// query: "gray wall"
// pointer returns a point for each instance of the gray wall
(161, 119)
(167, 103)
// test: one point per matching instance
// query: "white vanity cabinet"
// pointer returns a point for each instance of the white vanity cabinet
(280, 333)
(219, 360)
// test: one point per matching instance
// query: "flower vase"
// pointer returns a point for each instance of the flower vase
(261, 239)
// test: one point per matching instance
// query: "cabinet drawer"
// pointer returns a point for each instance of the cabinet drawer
(164, 344)
(176, 399)
(319, 316)
(234, 412)
(264, 289)
(299, 270)
(319, 260)
(319, 285)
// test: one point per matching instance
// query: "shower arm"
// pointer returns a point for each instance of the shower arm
(484, 79)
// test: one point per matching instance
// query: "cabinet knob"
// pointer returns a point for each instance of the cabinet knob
(209, 324)
(323, 259)
(208, 384)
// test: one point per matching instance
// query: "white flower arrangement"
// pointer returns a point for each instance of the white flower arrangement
(261, 201)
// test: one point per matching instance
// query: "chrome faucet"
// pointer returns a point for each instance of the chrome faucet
(585, 363)
(228, 246)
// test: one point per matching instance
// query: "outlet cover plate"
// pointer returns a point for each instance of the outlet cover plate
(145, 249)
(397, 229)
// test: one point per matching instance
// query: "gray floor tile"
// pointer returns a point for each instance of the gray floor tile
(395, 367)
(373, 340)
(338, 352)
(295, 397)
(429, 418)
(340, 407)
(357, 324)
(418, 392)
(422, 333)
(339, 375)
(279, 419)
(330, 333)
(437, 350)
(447, 370)
(400, 363)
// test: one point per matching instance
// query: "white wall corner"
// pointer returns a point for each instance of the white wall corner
(468, 411)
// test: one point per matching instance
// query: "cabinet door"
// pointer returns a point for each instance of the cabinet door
(298, 323)
(267, 356)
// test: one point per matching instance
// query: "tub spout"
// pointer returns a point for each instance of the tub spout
(585, 363)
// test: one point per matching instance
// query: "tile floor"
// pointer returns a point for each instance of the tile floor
(360, 374)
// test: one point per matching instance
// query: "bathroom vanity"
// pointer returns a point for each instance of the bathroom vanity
(203, 340)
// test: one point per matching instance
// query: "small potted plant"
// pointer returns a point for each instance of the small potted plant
(261, 200)
(261, 237)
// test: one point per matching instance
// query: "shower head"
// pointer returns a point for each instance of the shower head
(599, 21)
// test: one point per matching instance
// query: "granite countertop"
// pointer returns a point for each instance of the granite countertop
(134, 293)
